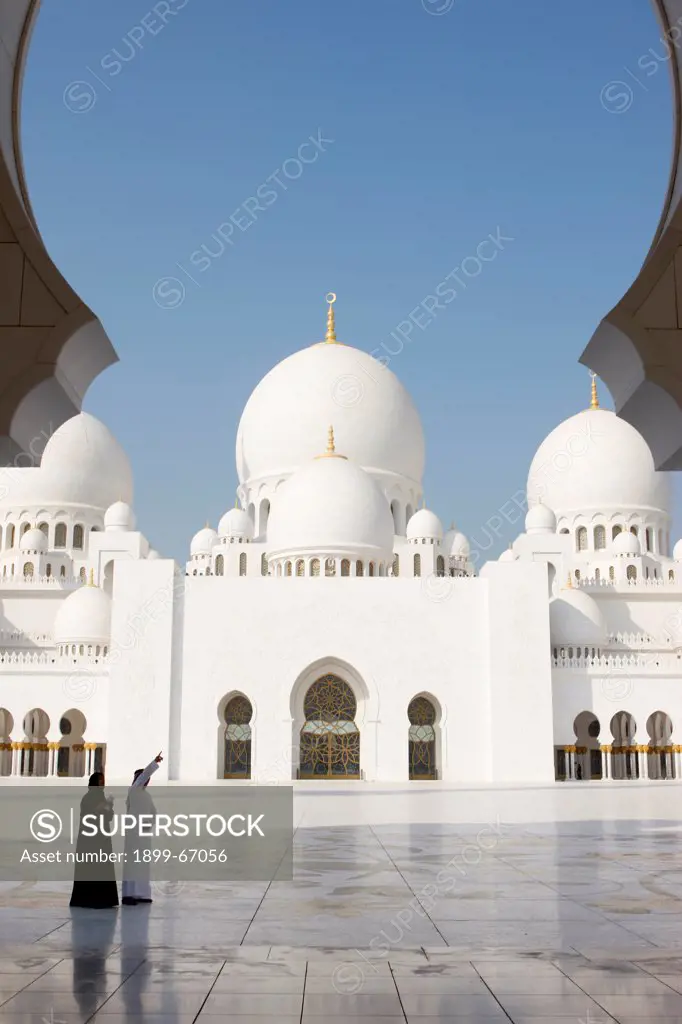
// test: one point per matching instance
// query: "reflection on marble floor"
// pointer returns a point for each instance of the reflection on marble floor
(404, 922)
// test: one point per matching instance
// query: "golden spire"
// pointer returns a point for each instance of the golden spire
(91, 581)
(331, 447)
(330, 336)
(594, 402)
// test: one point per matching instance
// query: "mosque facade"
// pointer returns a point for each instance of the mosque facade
(330, 628)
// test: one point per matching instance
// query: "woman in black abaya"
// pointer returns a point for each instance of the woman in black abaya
(94, 884)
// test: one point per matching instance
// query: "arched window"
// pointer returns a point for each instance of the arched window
(649, 540)
(330, 567)
(48, 570)
(612, 573)
(220, 565)
(83, 575)
(417, 565)
(671, 575)
(345, 567)
(577, 575)
(564, 529)
(440, 566)
(264, 564)
(287, 569)
(62, 572)
(12, 573)
(371, 568)
(396, 565)
(615, 531)
(300, 567)
(599, 538)
(44, 529)
(597, 576)
(631, 572)
(25, 527)
(422, 739)
(634, 530)
(359, 568)
(646, 572)
(9, 536)
(329, 739)
(78, 537)
(581, 538)
(28, 570)
(238, 715)
(315, 567)
(60, 535)
(242, 564)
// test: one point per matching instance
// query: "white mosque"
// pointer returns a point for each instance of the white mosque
(330, 628)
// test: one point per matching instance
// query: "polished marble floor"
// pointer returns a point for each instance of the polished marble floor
(580, 921)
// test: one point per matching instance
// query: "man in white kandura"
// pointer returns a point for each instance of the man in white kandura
(137, 872)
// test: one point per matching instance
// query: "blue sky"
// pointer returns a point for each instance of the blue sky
(143, 135)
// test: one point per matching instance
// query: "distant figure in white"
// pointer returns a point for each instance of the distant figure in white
(136, 871)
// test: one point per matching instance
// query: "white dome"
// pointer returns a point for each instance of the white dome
(508, 556)
(455, 544)
(33, 540)
(84, 617)
(424, 525)
(375, 421)
(83, 464)
(595, 461)
(625, 543)
(153, 554)
(575, 617)
(119, 516)
(203, 541)
(236, 523)
(540, 519)
(331, 506)
(677, 551)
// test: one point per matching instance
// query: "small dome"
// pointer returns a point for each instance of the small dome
(33, 540)
(236, 523)
(677, 551)
(424, 525)
(575, 617)
(203, 541)
(153, 554)
(596, 461)
(83, 464)
(84, 617)
(119, 516)
(455, 544)
(331, 506)
(540, 519)
(508, 556)
(626, 544)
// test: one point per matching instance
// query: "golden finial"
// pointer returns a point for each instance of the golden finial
(91, 581)
(236, 502)
(331, 447)
(569, 582)
(330, 336)
(594, 402)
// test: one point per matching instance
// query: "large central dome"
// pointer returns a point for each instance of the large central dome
(329, 383)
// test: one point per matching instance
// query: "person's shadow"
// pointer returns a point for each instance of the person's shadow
(92, 939)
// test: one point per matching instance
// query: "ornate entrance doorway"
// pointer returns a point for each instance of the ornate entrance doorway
(238, 715)
(330, 739)
(422, 742)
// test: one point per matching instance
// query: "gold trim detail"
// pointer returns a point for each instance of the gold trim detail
(594, 398)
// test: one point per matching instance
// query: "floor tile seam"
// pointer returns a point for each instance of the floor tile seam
(414, 894)
(507, 1015)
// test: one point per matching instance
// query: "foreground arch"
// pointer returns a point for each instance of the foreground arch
(637, 348)
(53, 346)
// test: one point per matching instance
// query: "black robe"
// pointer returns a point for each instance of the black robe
(87, 892)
